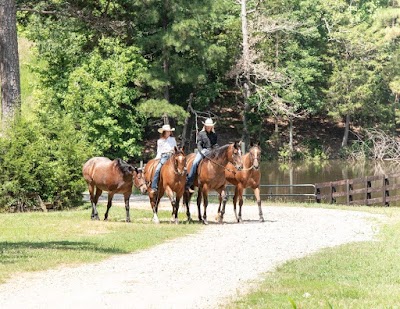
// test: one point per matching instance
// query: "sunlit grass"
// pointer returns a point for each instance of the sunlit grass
(357, 275)
(39, 241)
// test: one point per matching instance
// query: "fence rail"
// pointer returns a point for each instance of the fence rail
(230, 190)
(379, 184)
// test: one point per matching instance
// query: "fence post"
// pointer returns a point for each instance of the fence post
(367, 194)
(317, 194)
(385, 192)
(349, 188)
(333, 190)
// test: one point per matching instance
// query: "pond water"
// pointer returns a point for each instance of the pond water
(277, 173)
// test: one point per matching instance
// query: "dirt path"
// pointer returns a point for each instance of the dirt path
(197, 271)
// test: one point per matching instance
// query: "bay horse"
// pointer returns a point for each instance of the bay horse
(248, 177)
(172, 180)
(113, 176)
(211, 176)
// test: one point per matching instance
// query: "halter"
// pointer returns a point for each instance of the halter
(252, 166)
(143, 184)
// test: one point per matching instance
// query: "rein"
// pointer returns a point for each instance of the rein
(216, 163)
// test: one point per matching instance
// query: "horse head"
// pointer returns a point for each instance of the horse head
(179, 159)
(138, 180)
(255, 155)
(235, 155)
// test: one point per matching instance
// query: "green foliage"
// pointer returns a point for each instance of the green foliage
(101, 95)
(157, 108)
(42, 159)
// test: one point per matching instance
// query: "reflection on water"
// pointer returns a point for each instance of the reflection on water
(276, 173)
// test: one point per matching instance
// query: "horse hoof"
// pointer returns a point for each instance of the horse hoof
(105, 219)
(156, 221)
(240, 220)
(261, 220)
(205, 222)
(128, 220)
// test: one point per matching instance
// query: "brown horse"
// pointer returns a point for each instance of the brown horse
(172, 179)
(211, 176)
(248, 177)
(114, 176)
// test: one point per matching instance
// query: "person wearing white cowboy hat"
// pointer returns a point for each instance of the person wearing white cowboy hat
(206, 141)
(165, 148)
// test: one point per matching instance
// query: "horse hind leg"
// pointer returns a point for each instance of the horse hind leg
(94, 198)
(235, 199)
(174, 204)
(224, 198)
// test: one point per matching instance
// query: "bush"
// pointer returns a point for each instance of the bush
(41, 160)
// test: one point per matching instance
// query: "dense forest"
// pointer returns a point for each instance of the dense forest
(107, 72)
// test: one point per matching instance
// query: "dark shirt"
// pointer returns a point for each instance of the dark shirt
(206, 140)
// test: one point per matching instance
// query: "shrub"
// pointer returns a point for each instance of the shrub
(41, 160)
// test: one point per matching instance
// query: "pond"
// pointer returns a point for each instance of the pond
(277, 173)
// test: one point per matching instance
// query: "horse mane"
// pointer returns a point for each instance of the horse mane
(124, 167)
(218, 152)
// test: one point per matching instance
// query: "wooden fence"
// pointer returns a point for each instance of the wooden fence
(360, 191)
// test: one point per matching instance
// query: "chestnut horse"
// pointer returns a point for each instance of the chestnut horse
(248, 177)
(114, 176)
(211, 176)
(172, 179)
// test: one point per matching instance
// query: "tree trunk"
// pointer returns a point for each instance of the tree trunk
(291, 133)
(9, 62)
(346, 131)
(189, 110)
(246, 71)
(165, 50)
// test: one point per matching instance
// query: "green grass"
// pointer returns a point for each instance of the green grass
(39, 241)
(357, 275)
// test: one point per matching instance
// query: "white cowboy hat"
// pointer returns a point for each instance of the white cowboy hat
(165, 127)
(209, 122)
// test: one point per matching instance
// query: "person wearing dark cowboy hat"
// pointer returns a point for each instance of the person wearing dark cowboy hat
(206, 141)
(165, 148)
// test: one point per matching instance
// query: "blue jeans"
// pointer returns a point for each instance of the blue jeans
(164, 158)
(193, 170)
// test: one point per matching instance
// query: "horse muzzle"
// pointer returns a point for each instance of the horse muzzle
(143, 189)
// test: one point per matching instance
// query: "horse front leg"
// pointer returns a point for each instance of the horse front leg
(205, 204)
(109, 203)
(235, 199)
(173, 201)
(126, 199)
(199, 197)
(258, 198)
(240, 197)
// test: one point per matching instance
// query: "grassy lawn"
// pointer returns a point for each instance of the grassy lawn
(358, 275)
(39, 241)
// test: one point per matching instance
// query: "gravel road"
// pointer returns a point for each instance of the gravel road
(197, 271)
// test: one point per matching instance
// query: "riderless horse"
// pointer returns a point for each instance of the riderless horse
(248, 177)
(102, 174)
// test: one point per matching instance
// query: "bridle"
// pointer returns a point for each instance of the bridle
(176, 171)
(226, 168)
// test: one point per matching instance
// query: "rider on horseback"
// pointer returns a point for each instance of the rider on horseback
(165, 148)
(206, 141)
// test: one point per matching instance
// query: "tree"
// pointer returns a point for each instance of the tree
(9, 62)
